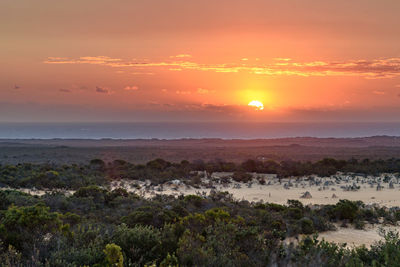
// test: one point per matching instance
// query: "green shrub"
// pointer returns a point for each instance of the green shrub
(140, 244)
(196, 200)
(114, 255)
(242, 177)
(22, 227)
(307, 226)
(346, 210)
(91, 191)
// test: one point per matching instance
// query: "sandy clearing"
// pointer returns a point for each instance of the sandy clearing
(353, 237)
(276, 192)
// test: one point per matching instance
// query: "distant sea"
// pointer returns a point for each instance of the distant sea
(226, 130)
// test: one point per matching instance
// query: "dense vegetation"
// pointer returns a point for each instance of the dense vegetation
(96, 227)
(98, 172)
(62, 151)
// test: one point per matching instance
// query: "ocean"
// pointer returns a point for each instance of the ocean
(164, 130)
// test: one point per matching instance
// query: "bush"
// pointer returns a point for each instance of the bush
(91, 191)
(22, 227)
(138, 217)
(242, 177)
(294, 213)
(307, 226)
(170, 261)
(140, 244)
(114, 255)
(346, 210)
(359, 224)
(196, 200)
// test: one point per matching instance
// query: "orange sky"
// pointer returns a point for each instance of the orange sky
(175, 60)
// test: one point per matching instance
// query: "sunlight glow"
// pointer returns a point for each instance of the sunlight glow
(256, 104)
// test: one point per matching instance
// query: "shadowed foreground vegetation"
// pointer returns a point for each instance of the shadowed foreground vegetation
(96, 227)
(99, 227)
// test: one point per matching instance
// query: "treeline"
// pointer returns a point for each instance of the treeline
(98, 172)
(325, 167)
(96, 227)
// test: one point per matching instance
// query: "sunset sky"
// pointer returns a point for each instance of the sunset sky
(180, 60)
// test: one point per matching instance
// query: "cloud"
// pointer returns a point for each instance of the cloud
(181, 56)
(156, 112)
(378, 92)
(370, 69)
(96, 60)
(16, 87)
(223, 108)
(102, 90)
(154, 103)
(183, 92)
(65, 90)
(204, 91)
(79, 87)
(142, 73)
(282, 59)
(169, 105)
(131, 88)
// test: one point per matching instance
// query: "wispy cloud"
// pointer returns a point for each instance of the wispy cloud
(371, 69)
(142, 73)
(63, 90)
(131, 88)
(102, 90)
(97, 60)
(379, 92)
(204, 91)
(178, 92)
(181, 56)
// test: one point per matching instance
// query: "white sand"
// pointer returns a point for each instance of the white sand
(276, 192)
(353, 237)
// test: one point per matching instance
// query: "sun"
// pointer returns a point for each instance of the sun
(256, 104)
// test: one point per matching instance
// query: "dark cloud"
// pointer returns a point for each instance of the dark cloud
(168, 105)
(65, 90)
(26, 111)
(216, 108)
(102, 90)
